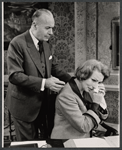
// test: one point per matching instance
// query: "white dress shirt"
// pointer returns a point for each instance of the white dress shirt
(37, 47)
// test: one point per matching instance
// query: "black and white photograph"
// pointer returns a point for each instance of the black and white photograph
(61, 74)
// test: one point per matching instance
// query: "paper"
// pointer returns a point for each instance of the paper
(87, 142)
(91, 142)
(113, 141)
(39, 143)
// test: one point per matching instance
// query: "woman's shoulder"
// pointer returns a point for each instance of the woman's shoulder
(66, 93)
(66, 89)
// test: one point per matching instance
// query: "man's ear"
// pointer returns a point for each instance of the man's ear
(34, 24)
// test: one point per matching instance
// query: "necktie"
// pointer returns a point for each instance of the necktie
(42, 60)
(40, 47)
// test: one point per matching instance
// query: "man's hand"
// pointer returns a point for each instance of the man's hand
(54, 84)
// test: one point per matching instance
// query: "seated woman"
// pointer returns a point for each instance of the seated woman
(80, 105)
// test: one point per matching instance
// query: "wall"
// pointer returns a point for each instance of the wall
(63, 41)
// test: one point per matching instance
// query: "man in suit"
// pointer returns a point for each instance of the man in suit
(32, 77)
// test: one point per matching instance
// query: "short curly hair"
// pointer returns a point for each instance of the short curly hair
(84, 71)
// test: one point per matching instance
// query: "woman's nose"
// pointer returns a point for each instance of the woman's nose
(95, 86)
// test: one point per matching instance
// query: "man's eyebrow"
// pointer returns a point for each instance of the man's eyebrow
(49, 27)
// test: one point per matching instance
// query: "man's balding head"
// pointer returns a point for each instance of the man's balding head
(41, 13)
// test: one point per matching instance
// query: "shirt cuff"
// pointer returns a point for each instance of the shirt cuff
(43, 85)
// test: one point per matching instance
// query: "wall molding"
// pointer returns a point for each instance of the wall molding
(112, 88)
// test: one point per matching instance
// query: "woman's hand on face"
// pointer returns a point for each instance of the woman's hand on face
(101, 88)
(98, 98)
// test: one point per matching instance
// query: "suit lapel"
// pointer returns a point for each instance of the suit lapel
(47, 54)
(34, 54)
(86, 99)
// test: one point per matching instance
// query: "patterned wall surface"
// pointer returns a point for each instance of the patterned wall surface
(80, 33)
(91, 30)
(62, 42)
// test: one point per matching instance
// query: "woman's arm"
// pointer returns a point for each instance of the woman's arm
(76, 113)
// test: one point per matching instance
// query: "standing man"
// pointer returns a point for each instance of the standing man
(33, 73)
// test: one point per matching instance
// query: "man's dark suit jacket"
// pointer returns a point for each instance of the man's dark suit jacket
(24, 98)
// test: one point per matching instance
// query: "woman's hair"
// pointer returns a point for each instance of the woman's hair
(84, 71)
